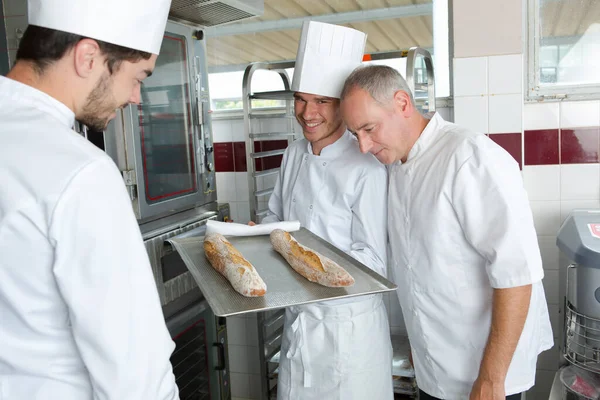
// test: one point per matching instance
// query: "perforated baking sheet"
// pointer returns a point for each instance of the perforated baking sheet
(285, 287)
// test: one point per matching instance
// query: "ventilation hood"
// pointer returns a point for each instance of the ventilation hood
(206, 13)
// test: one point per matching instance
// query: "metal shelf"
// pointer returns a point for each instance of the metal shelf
(274, 95)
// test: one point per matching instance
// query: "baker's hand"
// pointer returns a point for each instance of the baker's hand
(251, 223)
(484, 389)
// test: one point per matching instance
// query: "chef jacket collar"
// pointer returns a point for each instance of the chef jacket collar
(38, 99)
(427, 137)
(336, 148)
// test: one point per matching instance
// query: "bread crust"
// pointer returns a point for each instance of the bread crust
(308, 263)
(229, 262)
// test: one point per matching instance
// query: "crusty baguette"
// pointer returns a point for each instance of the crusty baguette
(230, 263)
(308, 263)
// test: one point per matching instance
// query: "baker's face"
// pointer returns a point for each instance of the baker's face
(319, 116)
(114, 91)
(380, 129)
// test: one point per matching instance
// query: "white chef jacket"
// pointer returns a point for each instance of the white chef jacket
(79, 310)
(338, 349)
(338, 195)
(460, 225)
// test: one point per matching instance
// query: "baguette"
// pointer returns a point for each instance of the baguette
(229, 262)
(308, 263)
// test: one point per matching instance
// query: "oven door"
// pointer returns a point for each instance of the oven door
(200, 361)
(168, 132)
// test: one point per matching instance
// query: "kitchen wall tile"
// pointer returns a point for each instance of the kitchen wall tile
(579, 114)
(236, 331)
(549, 359)
(580, 182)
(237, 130)
(505, 113)
(549, 252)
(224, 157)
(546, 217)
(542, 182)
(243, 212)
(541, 147)
(538, 116)
(551, 283)
(240, 385)
(239, 153)
(241, 186)
(511, 142)
(226, 187)
(543, 384)
(255, 387)
(221, 130)
(470, 76)
(579, 145)
(233, 211)
(238, 358)
(506, 74)
(472, 112)
(567, 206)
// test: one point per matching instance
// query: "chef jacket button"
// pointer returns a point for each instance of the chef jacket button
(293, 200)
(415, 312)
(310, 207)
(324, 163)
(408, 266)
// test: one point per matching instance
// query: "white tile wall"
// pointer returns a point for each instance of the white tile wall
(505, 74)
(237, 130)
(470, 76)
(550, 283)
(567, 206)
(542, 182)
(546, 217)
(579, 113)
(222, 131)
(505, 113)
(226, 187)
(541, 116)
(472, 112)
(580, 182)
(549, 252)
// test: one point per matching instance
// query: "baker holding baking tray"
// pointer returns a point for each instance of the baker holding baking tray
(339, 349)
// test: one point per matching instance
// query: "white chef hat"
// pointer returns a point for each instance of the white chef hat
(327, 54)
(136, 24)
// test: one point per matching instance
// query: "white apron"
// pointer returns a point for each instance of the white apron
(324, 357)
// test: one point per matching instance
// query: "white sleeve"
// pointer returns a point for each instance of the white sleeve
(103, 273)
(493, 209)
(369, 221)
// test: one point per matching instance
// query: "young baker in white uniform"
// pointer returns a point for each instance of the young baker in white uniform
(464, 248)
(79, 311)
(337, 349)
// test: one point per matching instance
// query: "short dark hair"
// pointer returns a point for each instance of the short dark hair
(44, 46)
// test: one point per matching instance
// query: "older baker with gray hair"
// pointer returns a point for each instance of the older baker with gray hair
(464, 249)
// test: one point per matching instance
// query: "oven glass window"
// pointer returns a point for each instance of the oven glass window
(191, 364)
(165, 118)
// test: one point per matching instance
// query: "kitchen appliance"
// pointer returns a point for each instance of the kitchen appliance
(579, 240)
(163, 146)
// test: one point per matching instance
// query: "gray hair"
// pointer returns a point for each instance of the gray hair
(380, 81)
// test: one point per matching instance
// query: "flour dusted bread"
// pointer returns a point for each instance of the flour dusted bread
(230, 263)
(308, 263)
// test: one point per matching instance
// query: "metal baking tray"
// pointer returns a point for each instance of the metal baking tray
(285, 287)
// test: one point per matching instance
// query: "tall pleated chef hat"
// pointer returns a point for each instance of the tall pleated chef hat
(327, 54)
(136, 24)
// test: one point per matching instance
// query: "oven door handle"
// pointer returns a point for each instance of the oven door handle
(220, 356)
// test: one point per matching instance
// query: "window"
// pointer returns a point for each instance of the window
(564, 49)
(399, 26)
